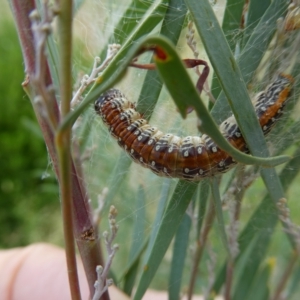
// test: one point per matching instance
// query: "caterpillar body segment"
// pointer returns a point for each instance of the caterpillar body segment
(192, 157)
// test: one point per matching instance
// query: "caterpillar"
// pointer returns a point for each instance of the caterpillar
(193, 157)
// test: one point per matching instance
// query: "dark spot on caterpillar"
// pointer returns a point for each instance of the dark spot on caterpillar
(193, 157)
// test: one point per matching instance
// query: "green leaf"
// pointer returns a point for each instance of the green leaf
(139, 224)
(255, 12)
(241, 264)
(260, 227)
(249, 273)
(219, 213)
(294, 286)
(130, 277)
(253, 52)
(137, 240)
(260, 288)
(232, 21)
(167, 229)
(178, 257)
(233, 86)
(231, 28)
(202, 199)
(131, 17)
(130, 269)
(166, 185)
(171, 27)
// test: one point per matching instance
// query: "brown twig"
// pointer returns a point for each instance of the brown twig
(102, 283)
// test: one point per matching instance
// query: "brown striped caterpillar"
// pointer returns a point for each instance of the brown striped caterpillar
(192, 157)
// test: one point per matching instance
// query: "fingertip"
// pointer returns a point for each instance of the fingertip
(37, 272)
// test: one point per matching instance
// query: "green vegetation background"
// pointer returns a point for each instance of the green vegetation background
(29, 200)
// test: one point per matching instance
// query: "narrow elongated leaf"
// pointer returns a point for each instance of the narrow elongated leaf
(255, 11)
(135, 14)
(241, 264)
(137, 240)
(253, 261)
(203, 198)
(259, 289)
(253, 52)
(167, 228)
(162, 203)
(233, 87)
(171, 28)
(224, 63)
(131, 17)
(294, 286)
(231, 27)
(232, 21)
(178, 258)
(130, 277)
(218, 208)
(139, 224)
(131, 267)
(261, 225)
(260, 39)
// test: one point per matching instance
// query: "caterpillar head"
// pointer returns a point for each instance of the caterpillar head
(106, 97)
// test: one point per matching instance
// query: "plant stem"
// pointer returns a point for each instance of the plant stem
(229, 275)
(63, 142)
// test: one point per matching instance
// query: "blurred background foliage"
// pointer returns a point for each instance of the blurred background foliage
(28, 190)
